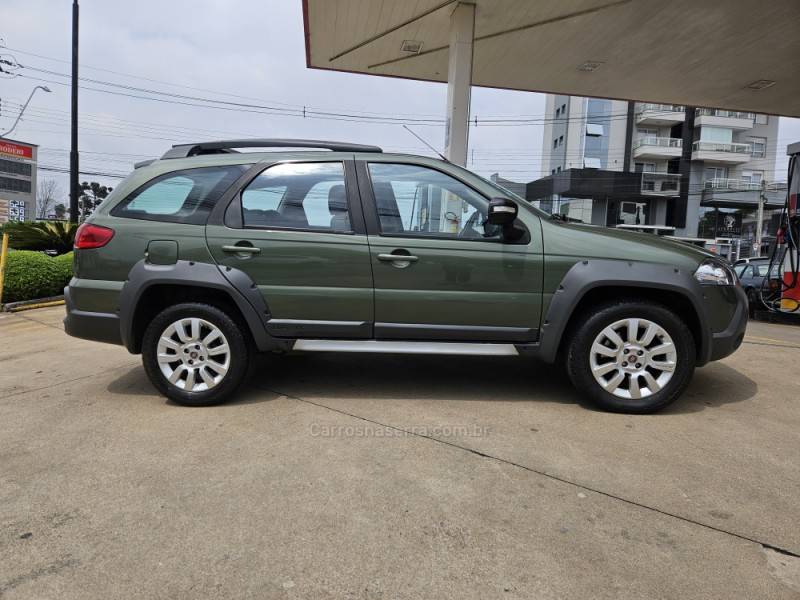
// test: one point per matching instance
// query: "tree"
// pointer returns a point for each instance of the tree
(92, 194)
(48, 192)
(61, 211)
(58, 236)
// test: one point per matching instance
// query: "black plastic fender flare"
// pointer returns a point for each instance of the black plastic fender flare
(586, 275)
(235, 283)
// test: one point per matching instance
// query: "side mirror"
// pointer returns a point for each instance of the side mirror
(502, 211)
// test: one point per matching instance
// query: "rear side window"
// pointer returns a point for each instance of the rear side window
(180, 196)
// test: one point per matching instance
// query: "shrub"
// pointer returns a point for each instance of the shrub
(58, 236)
(31, 275)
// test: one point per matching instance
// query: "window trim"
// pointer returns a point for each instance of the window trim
(230, 214)
(374, 222)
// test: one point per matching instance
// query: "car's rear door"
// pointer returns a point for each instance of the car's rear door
(439, 273)
(298, 231)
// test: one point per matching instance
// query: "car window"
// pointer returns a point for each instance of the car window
(762, 270)
(298, 196)
(418, 201)
(740, 270)
(185, 196)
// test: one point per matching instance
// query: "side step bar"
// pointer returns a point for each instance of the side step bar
(475, 349)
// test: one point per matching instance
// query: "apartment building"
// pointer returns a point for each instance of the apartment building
(699, 171)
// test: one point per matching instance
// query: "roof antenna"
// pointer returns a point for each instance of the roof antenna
(442, 156)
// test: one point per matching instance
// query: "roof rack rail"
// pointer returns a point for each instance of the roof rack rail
(224, 146)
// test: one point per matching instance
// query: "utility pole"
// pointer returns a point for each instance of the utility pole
(74, 189)
(762, 198)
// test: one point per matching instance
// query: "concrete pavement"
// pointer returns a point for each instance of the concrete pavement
(391, 477)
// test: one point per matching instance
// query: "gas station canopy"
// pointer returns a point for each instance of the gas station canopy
(733, 54)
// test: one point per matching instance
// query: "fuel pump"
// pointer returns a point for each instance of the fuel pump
(788, 240)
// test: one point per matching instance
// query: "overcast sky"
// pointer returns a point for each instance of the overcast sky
(245, 51)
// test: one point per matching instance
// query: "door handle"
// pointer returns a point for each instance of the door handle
(398, 257)
(242, 249)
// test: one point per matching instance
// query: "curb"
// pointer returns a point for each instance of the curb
(31, 304)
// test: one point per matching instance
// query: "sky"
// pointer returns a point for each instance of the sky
(240, 52)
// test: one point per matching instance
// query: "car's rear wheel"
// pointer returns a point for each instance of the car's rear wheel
(632, 356)
(195, 354)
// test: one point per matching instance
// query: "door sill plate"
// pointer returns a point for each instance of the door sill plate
(379, 346)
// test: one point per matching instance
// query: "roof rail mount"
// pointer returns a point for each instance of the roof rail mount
(225, 146)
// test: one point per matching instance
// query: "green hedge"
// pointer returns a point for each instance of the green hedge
(31, 275)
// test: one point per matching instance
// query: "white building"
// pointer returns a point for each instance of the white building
(696, 164)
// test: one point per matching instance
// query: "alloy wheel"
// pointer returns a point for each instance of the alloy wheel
(633, 358)
(193, 354)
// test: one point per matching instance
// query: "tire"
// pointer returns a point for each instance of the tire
(659, 378)
(218, 363)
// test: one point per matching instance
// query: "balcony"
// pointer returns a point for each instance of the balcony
(732, 119)
(721, 152)
(657, 147)
(661, 184)
(734, 193)
(660, 115)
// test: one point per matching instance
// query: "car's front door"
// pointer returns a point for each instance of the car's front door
(297, 230)
(441, 273)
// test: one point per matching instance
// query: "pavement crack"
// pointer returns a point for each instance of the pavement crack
(550, 476)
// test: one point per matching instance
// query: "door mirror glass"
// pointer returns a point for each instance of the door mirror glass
(502, 211)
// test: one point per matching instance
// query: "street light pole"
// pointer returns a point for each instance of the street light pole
(24, 106)
(74, 190)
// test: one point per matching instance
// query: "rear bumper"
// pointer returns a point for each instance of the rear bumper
(726, 342)
(95, 326)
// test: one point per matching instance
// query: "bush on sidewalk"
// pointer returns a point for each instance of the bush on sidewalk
(31, 275)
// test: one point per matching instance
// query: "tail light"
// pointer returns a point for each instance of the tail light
(92, 236)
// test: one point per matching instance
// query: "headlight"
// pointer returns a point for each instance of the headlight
(712, 272)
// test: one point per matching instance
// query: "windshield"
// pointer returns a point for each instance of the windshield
(509, 194)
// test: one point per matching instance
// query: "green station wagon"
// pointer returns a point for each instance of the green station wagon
(208, 255)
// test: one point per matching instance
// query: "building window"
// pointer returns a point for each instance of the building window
(721, 135)
(15, 185)
(759, 146)
(558, 112)
(558, 170)
(752, 176)
(15, 167)
(561, 140)
(563, 109)
(643, 167)
(555, 143)
(761, 119)
(594, 129)
(591, 163)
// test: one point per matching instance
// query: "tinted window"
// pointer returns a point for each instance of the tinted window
(419, 201)
(181, 196)
(298, 196)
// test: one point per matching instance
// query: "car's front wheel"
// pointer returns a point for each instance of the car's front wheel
(195, 354)
(632, 356)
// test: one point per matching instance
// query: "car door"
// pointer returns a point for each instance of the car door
(298, 231)
(439, 272)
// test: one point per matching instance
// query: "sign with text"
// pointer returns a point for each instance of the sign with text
(16, 150)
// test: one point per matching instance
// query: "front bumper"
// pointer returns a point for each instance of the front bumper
(96, 326)
(726, 342)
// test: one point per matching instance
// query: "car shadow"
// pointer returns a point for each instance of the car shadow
(134, 382)
(438, 378)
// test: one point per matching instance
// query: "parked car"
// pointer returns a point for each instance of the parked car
(752, 274)
(206, 256)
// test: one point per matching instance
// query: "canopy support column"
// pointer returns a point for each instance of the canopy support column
(459, 80)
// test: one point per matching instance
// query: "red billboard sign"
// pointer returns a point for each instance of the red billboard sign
(17, 150)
